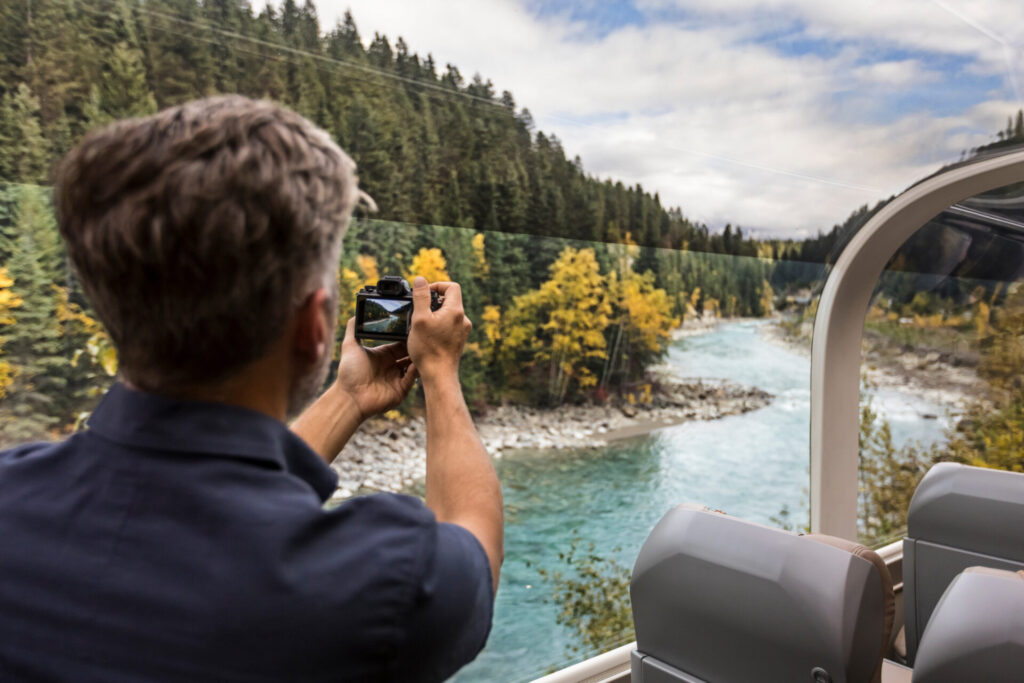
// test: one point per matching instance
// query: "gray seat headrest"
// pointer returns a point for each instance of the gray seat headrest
(959, 517)
(725, 600)
(971, 508)
(976, 632)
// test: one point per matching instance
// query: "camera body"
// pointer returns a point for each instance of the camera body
(384, 310)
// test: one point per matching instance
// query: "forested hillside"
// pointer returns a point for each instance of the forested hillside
(574, 282)
(432, 146)
(466, 185)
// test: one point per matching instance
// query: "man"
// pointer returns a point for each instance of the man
(182, 537)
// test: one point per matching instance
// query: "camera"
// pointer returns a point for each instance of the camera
(384, 310)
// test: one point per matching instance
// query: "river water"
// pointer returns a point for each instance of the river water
(747, 465)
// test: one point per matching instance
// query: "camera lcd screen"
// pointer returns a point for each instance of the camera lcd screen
(385, 316)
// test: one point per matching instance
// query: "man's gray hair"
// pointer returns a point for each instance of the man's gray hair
(196, 232)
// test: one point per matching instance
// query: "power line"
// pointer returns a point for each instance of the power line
(441, 90)
(304, 53)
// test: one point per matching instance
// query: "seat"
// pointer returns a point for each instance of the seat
(959, 517)
(976, 632)
(721, 600)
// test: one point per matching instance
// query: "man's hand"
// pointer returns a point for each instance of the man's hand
(376, 379)
(437, 338)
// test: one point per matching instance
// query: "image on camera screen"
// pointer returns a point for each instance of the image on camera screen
(385, 316)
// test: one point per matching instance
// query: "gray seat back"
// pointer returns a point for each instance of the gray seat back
(959, 517)
(721, 600)
(976, 632)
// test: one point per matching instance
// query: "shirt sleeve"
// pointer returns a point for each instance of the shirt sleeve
(452, 610)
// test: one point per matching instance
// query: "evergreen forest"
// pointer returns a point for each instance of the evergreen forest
(574, 282)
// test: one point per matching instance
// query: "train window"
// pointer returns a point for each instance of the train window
(642, 256)
(944, 328)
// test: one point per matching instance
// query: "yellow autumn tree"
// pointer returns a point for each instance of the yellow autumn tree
(8, 301)
(430, 263)
(691, 305)
(492, 324)
(712, 306)
(490, 335)
(643, 323)
(560, 327)
(648, 312)
(767, 298)
(351, 281)
(481, 269)
(76, 324)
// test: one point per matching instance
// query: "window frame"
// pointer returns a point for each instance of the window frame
(839, 327)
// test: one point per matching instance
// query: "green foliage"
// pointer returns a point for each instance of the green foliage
(432, 146)
(593, 593)
(888, 477)
(123, 90)
(33, 348)
(25, 155)
(991, 432)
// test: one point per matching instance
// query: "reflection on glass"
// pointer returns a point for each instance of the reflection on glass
(945, 324)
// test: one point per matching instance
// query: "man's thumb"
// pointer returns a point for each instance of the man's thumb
(420, 295)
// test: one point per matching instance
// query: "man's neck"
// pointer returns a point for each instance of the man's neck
(261, 386)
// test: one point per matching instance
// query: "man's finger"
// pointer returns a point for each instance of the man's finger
(349, 342)
(409, 375)
(420, 297)
(452, 295)
(393, 352)
(440, 287)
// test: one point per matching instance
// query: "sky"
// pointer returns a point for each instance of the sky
(781, 116)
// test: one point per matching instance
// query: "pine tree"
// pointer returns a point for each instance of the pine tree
(57, 72)
(25, 156)
(226, 17)
(33, 349)
(178, 54)
(345, 39)
(34, 217)
(14, 47)
(9, 301)
(124, 91)
(262, 69)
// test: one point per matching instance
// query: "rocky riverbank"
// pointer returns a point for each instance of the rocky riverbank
(940, 377)
(390, 455)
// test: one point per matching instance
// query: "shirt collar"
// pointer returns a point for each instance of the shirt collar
(147, 421)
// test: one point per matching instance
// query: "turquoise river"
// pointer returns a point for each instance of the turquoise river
(748, 465)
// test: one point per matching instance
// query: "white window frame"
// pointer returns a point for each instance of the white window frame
(839, 327)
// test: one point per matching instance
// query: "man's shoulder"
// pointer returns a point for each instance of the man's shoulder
(385, 508)
(37, 457)
(13, 453)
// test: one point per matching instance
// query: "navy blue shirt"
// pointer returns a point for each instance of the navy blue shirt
(186, 541)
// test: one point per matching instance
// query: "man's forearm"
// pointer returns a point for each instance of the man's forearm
(462, 486)
(328, 424)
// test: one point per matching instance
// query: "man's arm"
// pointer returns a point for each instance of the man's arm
(462, 486)
(369, 382)
(328, 424)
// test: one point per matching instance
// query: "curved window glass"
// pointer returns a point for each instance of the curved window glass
(942, 356)
(633, 346)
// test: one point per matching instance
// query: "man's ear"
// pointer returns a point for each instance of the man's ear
(312, 331)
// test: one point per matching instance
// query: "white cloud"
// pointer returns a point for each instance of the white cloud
(895, 74)
(728, 128)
